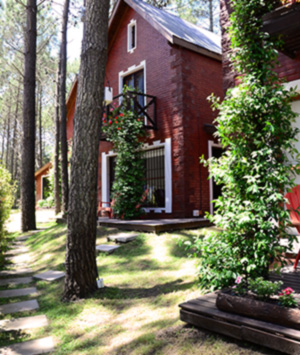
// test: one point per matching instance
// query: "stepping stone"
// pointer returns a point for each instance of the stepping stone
(19, 307)
(50, 275)
(16, 281)
(16, 271)
(103, 248)
(19, 259)
(16, 251)
(23, 323)
(32, 347)
(122, 238)
(18, 292)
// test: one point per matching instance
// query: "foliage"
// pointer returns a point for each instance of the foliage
(46, 203)
(287, 298)
(7, 190)
(254, 125)
(263, 288)
(289, 2)
(125, 130)
(203, 12)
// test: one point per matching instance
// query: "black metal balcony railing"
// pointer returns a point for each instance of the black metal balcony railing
(143, 104)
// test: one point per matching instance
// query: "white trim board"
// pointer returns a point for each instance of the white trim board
(130, 70)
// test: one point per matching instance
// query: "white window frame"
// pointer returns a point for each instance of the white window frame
(211, 145)
(42, 183)
(130, 48)
(168, 175)
(131, 70)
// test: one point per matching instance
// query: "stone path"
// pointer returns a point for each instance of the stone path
(103, 248)
(50, 275)
(122, 237)
(20, 259)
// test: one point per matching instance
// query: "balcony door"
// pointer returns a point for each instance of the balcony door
(135, 81)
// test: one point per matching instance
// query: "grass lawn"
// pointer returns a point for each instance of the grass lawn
(136, 313)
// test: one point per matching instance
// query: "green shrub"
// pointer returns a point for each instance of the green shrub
(263, 288)
(47, 203)
(7, 190)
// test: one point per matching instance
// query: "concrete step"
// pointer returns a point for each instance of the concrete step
(18, 292)
(16, 281)
(23, 323)
(16, 307)
(32, 347)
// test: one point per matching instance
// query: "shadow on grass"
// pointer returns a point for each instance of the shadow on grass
(142, 292)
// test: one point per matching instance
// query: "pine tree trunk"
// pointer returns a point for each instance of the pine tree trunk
(40, 128)
(211, 16)
(81, 267)
(8, 137)
(14, 141)
(56, 150)
(28, 146)
(63, 110)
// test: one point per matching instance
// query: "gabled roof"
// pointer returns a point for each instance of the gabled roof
(174, 29)
(43, 169)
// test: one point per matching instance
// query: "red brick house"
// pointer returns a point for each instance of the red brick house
(42, 181)
(177, 65)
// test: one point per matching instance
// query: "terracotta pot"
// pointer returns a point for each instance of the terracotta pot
(265, 311)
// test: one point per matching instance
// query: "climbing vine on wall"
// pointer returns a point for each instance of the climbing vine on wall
(125, 129)
(255, 127)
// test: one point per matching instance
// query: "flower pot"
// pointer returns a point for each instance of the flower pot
(252, 308)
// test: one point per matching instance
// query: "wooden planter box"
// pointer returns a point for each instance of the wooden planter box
(265, 311)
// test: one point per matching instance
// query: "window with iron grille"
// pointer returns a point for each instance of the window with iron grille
(155, 177)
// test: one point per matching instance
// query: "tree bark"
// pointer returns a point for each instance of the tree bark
(8, 137)
(56, 150)
(14, 141)
(81, 267)
(63, 110)
(40, 127)
(211, 16)
(28, 146)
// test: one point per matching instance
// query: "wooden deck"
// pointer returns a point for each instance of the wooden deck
(155, 225)
(203, 313)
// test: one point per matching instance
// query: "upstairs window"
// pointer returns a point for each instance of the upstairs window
(131, 36)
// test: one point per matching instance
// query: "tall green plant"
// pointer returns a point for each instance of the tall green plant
(125, 129)
(255, 127)
(7, 190)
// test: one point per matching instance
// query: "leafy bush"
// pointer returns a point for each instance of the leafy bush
(7, 190)
(125, 130)
(255, 127)
(47, 203)
(263, 288)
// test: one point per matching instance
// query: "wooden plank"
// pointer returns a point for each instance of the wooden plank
(214, 325)
(279, 343)
(240, 320)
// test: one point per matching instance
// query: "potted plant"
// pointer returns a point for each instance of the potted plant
(261, 299)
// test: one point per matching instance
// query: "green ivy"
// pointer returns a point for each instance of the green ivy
(254, 125)
(125, 129)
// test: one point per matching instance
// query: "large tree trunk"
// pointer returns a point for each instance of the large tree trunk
(56, 150)
(40, 127)
(63, 110)
(28, 146)
(81, 267)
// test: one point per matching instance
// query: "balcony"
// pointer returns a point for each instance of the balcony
(285, 21)
(143, 104)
